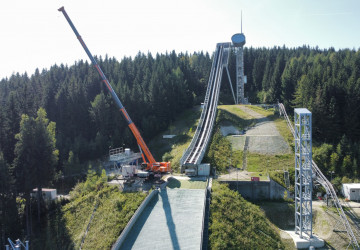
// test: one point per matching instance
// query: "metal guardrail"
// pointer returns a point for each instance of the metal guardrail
(88, 226)
(197, 148)
(320, 177)
(206, 215)
(331, 191)
(201, 145)
(116, 151)
(203, 114)
(117, 245)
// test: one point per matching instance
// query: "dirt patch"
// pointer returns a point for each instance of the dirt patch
(326, 223)
(234, 174)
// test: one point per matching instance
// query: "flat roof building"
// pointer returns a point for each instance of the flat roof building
(351, 191)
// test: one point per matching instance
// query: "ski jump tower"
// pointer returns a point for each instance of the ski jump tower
(238, 41)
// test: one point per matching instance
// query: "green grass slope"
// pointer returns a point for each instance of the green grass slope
(66, 225)
(183, 128)
(186, 184)
(238, 224)
(225, 151)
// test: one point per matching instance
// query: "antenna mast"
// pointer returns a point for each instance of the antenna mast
(238, 41)
(241, 22)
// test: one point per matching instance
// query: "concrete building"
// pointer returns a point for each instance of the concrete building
(351, 191)
(47, 193)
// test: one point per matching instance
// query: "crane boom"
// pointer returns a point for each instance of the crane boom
(152, 165)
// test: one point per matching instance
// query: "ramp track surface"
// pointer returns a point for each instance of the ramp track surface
(172, 220)
(196, 150)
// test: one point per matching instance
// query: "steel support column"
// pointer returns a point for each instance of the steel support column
(303, 172)
(239, 75)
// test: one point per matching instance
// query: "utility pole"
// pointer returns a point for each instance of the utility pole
(237, 179)
(331, 173)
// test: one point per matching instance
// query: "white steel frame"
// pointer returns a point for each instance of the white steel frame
(303, 172)
(320, 177)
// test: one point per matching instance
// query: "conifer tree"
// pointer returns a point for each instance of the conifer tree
(35, 157)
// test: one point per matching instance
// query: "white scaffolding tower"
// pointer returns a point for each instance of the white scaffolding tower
(303, 172)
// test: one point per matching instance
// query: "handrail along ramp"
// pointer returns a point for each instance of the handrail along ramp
(320, 177)
(197, 148)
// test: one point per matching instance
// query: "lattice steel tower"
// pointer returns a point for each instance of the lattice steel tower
(303, 172)
(238, 41)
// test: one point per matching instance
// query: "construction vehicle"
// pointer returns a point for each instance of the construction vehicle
(149, 163)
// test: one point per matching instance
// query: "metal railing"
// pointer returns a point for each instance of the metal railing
(200, 146)
(134, 218)
(205, 108)
(203, 113)
(320, 177)
(197, 148)
(116, 151)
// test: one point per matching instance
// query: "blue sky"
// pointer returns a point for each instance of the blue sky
(35, 35)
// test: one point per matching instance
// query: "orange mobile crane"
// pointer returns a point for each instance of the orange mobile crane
(149, 162)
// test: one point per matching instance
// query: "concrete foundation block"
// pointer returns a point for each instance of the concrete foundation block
(306, 242)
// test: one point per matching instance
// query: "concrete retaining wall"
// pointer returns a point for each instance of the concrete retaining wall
(206, 215)
(133, 219)
(258, 190)
(277, 191)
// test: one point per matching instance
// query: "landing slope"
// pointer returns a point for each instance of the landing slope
(172, 220)
(264, 137)
(262, 143)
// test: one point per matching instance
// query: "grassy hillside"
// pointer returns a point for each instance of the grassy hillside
(223, 149)
(280, 123)
(234, 114)
(267, 163)
(66, 225)
(183, 128)
(238, 224)
(186, 184)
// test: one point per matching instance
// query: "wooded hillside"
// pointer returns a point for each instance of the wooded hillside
(154, 89)
(327, 82)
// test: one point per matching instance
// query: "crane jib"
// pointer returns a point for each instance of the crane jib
(152, 163)
(94, 62)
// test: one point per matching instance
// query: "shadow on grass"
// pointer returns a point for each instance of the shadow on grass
(181, 139)
(192, 183)
(53, 233)
(173, 183)
(280, 214)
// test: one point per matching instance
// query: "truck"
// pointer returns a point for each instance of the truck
(149, 163)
